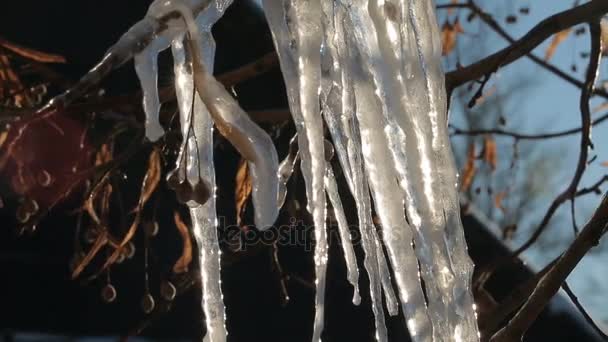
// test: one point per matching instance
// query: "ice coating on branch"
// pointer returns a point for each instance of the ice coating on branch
(345, 239)
(195, 164)
(249, 139)
(297, 33)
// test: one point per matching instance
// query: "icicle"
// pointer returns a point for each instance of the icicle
(286, 169)
(345, 238)
(146, 66)
(343, 127)
(296, 29)
(464, 325)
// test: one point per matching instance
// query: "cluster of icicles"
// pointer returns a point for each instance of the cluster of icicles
(369, 69)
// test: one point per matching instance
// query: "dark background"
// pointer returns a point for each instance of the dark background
(36, 292)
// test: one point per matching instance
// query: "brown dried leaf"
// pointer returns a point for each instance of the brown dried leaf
(97, 245)
(32, 54)
(3, 136)
(498, 200)
(469, 169)
(489, 151)
(181, 265)
(558, 38)
(242, 189)
(598, 108)
(605, 164)
(449, 33)
(152, 177)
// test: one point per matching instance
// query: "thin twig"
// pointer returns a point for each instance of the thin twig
(524, 136)
(584, 312)
(589, 236)
(570, 192)
(523, 47)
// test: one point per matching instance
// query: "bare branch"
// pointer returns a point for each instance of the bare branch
(524, 136)
(584, 312)
(589, 236)
(524, 46)
(549, 284)
(570, 192)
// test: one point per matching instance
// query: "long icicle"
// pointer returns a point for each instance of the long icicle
(347, 246)
(299, 22)
(424, 24)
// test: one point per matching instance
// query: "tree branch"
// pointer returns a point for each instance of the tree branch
(585, 144)
(589, 236)
(549, 284)
(590, 11)
(524, 136)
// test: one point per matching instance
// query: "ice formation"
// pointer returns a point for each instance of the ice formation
(370, 70)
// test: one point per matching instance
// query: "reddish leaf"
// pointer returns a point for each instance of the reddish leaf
(498, 200)
(468, 173)
(558, 38)
(449, 33)
(181, 265)
(242, 190)
(489, 151)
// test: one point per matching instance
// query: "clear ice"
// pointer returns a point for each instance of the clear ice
(370, 70)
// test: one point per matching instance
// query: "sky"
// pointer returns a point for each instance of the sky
(550, 104)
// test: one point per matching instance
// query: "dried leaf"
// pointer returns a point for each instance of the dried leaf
(598, 108)
(498, 200)
(242, 190)
(97, 245)
(605, 164)
(604, 35)
(469, 169)
(32, 54)
(489, 151)
(448, 38)
(558, 38)
(181, 265)
(152, 177)
(3, 136)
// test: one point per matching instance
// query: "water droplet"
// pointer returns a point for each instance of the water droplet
(129, 250)
(44, 178)
(152, 228)
(147, 303)
(31, 206)
(108, 293)
(173, 179)
(22, 214)
(168, 290)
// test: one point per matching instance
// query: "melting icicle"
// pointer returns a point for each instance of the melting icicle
(146, 66)
(342, 125)
(296, 29)
(347, 246)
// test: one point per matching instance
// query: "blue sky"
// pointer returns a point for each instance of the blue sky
(550, 104)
